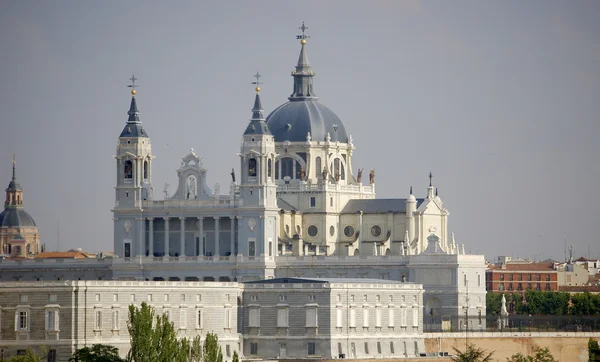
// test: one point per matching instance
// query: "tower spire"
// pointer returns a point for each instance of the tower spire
(257, 123)
(257, 110)
(134, 127)
(303, 74)
(14, 175)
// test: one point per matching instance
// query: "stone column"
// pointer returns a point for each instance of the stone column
(217, 236)
(142, 242)
(232, 244)
(166, 236)
(182, 236)
(201, 232)
(151, 236)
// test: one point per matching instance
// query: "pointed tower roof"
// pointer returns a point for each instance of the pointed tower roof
(303, 74)
(257, 122)
(133, 127)
(14, 185)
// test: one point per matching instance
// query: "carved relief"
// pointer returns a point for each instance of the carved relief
(251, 224)
(127, 226)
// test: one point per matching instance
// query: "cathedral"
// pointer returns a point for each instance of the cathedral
(295, 207)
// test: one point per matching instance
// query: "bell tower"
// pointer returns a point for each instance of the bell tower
(134, 170)
(257, 228)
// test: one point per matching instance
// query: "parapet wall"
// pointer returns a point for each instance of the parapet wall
(569, 346)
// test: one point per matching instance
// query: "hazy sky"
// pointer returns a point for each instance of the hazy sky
(499, 99)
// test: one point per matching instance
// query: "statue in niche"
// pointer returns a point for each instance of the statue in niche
(232, 173)
(128, 169)
(359, 177)
(325, 173)
(372, 177)
(191, 188)
(337, 176)
(403, 278)
(302, 173)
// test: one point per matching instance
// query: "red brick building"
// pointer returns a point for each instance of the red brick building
(520, 277)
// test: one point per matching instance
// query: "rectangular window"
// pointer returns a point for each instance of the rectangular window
(366, 317)
(313, 201)
(547, 286)
(132, 297)
(311, 317)
(379, 347)
(364, 298)
(378, 317)
(270, 248)
(182, 318)
(22, 320)
(98, 320)
(390, 298)
(52, 320)
(227, 297)
(254, 317)
(23, 298)
(282, 317)
(415, 318)
(465, 281)
(182, 297)
(166, 297)
(528, 286)
(352, 317)
(199, 318)
(547, 277)
(520, 277)
(311, 348)
(478, 280)
(149, 297)
(251, 248)
(52, 298)
(338, 318)
(331, 201)
(228, 318)
(227, 351)
(198, 298)
(366, 348)
(339, 298)
(115, 297)
(352, 298)
(510, 277)
(282, 298)
(253, 348)
(501, 276)
(97, 297)
(51, 355)
(115, 324)
(390, 317)
(403, 317)
(529, 277)
(501, 286)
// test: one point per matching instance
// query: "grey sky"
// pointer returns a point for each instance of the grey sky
(500, 100)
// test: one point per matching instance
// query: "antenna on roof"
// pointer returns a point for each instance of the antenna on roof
(58, 235)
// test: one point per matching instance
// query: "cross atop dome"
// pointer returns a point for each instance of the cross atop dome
(258, 82)
(133, 86)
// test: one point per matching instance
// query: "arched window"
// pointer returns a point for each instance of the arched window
(128, 170)
(318, 167)
(287, 167)
(269, 168)
(252, 167)
(145, 170)
(338, 169)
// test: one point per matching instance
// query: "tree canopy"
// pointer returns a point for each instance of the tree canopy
(472, 354)
(540, 355)
(97, 353)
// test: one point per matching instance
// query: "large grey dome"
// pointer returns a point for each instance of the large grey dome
(16, 218)
(293, 120)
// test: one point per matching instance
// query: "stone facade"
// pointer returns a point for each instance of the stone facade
(284, 317)
(66, 316)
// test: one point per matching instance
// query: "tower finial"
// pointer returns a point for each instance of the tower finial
(430, 177)
(411, 190)
(258, 82)
(133, 86)
(14, 177)
(303, 37)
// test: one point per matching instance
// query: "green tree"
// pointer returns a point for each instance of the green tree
(493, 302)
(153, 338)
(472, 354)
(195, 354)
(541, 355)
(212, 350)
(97, 353)
(235, 357)
(29, 356)
(593, 350)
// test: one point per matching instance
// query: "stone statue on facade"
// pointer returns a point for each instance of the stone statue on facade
(372, 177)
(337, 176)
(302, 174)
(359, 177)
(325, 174)
(232, 173)
(166, 190)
